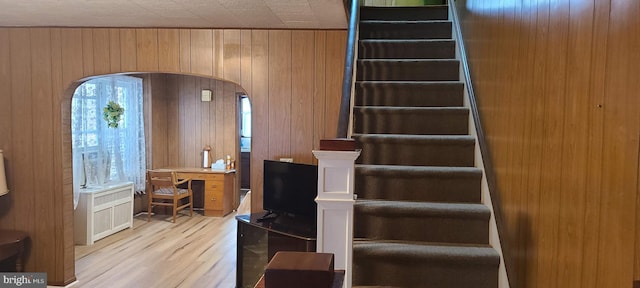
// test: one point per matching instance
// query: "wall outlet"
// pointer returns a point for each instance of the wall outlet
(290, 160)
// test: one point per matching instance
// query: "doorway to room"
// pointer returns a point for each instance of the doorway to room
(244, 113)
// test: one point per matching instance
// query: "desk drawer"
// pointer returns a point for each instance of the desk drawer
(213, 177)
(213, 199)
(214, 186)
(200, 176)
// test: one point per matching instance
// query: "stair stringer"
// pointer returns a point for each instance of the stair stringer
(465, 77)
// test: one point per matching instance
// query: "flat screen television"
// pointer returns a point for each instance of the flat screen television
(290, 189)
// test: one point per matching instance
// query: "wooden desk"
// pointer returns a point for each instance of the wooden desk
(12, 244)
(219, 188)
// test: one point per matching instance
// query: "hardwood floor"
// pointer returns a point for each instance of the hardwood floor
(194, 252)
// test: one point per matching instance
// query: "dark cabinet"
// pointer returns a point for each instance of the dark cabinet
(258, 241)
(245, 166)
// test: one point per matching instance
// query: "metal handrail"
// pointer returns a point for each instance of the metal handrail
(350, 58)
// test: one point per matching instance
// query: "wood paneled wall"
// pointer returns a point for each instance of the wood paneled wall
(182, 124)
(292, 78)
(557, 87)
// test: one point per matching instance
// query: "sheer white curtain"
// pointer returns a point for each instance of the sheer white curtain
(102, 154)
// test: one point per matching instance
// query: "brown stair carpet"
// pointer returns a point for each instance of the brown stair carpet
(419, 220)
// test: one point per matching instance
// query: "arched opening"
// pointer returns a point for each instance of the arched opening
(179, 122)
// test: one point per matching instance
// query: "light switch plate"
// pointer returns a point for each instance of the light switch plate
(206, 95)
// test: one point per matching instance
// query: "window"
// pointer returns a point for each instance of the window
(102, 154)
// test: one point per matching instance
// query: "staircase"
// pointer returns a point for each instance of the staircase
(419, 220)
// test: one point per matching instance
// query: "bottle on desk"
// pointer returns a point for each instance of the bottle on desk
(207, 158)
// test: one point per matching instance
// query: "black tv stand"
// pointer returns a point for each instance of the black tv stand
(260, 236)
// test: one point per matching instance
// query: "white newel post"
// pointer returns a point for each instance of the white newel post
(335, 207)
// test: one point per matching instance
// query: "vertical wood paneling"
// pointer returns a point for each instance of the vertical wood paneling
(302, 59)
(334, 62)
(201, 51)
(280, 94)
(21, 134)
(620, 148)
(173, 120)
(575, 148)
(40, 68)
(319, 88)
(60, 235)
(229, 124)
(563, 131)
(552, 156)
(169, 50)
(128, 50)
(42, 91)
(190, 124)
(159, 124)
(259, 113)
(185, 51)
(200, 123)
(147, 49)
(231, 54)
(101, 57)
(114, 49)
(217, 110)
(245, 61)
(87, 51)
(218, 53)
(6, 116)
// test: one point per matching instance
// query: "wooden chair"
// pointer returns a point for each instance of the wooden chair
(163, 190)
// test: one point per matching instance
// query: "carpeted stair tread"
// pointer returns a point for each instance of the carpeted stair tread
(423, 266)
(423, 209)
(451, 254)
(411, 120)
(412, 110)
(409, 93)
(416, 150)
(408, 69)
(398, 171)
(406, 48)
(377, 29)
(418, 183)
(434, 12)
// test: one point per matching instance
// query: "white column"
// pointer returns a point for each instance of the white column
(335, 207)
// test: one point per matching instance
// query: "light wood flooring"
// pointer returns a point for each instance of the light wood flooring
(194, 252)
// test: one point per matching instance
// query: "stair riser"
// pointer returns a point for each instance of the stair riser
(421, 13)
(408, 70)
(434, 123)
(409, 95)
(435, 30)
(416, 154)
(407, 50)
(421, 228)
(426, 188)
(382, 272)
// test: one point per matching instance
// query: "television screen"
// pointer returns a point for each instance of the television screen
(290, 188)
